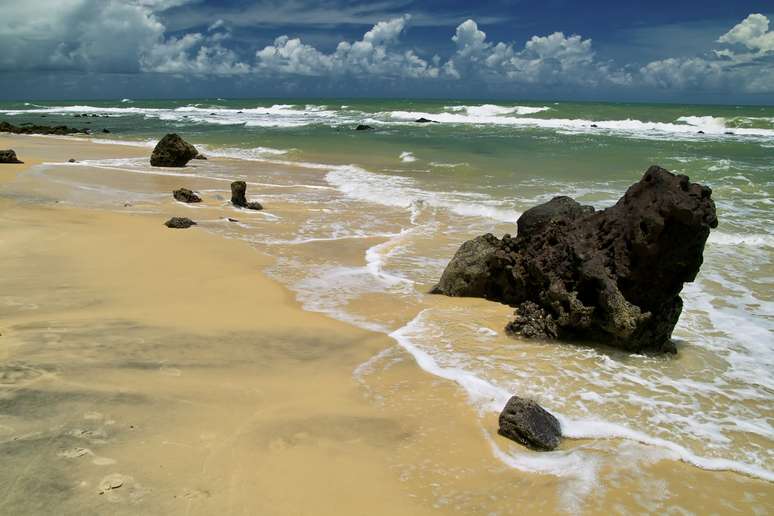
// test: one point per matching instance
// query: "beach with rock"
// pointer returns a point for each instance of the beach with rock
(255, 333)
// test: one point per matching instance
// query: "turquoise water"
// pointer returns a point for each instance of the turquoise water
(385, 209)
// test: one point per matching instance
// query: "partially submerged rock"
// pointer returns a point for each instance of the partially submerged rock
(29, 128)
(612, 276)
(363, 127)
(527, 423)
(172, 151)
(424, 120)
(9, 156)
(200, 156)
(238, 191)
(186, 195)
(179, 223)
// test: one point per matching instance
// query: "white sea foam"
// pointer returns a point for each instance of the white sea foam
(629, 127)
(407, 157)
(401, 192)
(487, 110)
(488, 397)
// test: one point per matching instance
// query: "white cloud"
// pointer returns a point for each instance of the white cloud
(377, 53)
(722, 69)
(107, 36)
(128, 36)
(753, 32)
(555, 59)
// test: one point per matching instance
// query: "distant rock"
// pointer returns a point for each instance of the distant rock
(172, 151)
(106, 131)
(9, 156)
(595, 126)
(200, 156)
(186, 195)
(28, 128)
(363, 127)
(612, 276)
(179, 223)
(527, 423)
(424, 120)
(238, 191)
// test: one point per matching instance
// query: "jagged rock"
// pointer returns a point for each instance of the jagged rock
(186, 195)
(28, 128)
(527, 423)
(363, 127)
(424, 120)
(179, 223)
(172, 151)
(238, 191)
(612, 276)
(9, 156)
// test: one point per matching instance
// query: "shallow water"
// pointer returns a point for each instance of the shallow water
(362, 223)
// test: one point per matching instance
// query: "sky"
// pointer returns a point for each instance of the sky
(698, 51)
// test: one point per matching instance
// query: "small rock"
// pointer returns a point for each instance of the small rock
(200, 156)
(238, 191)
(424, 120)
(9, 156)
(700, 132)
(71, 160)
(179, 223)
(186, 195)
(106, 131)
(363, 127)
(730, 133)
(527, 423)
(232, 219)
(594, 125)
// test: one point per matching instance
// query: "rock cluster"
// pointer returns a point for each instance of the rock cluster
(5, 127)
(612, 276)
(9, 156)
(172, 151)
(238, 191)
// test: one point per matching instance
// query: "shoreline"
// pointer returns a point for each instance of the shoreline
(197, 312)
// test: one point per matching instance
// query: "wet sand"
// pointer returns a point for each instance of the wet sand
(145, 370)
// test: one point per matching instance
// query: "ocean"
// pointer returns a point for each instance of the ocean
(378, 214)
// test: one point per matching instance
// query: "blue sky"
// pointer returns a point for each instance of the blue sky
(676, 51)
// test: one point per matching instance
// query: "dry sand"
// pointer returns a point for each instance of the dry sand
(145, 370)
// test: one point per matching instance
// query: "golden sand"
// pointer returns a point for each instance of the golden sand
(145, 370)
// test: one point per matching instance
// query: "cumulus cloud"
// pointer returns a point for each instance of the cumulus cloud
(129, 36)
(554, 59)
(377, 53)
(753, 32)
(750, 71)
(106, 36)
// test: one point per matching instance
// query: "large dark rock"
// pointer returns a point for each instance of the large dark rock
(613, 276)
(527, 423)
(9, 156)
(186, 195)
(172, 151)
(238, 191)
(29, 128)
(179, 223)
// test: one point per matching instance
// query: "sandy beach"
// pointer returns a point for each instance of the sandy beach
(145, 370)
